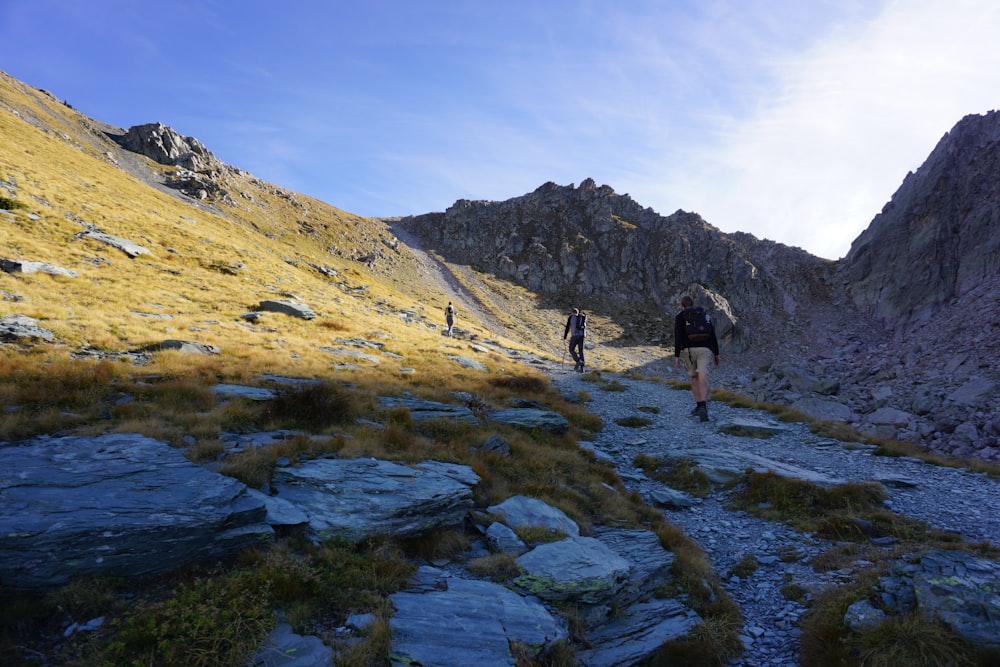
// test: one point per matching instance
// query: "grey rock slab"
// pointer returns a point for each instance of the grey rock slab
(963, 591)
(287, 308)
(466, 362)
(131, 249)
(242, 391)
(421, 410)
(120, 504)
(28, 267)
(467, 622)
(650, 564)
(890, 416)
(672, 498)
(636, 634)
(579, 569)
(819, 408)
(754, 427)
(502, 539)
(16, 327)
(723, 465)
(185, 346)
(355, 499)
(524, 512)
(531, 418)
(353, 354)
(973, 391)
(285, 648)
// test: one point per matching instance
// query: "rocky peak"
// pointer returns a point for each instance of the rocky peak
(165, 146)
(590, 242)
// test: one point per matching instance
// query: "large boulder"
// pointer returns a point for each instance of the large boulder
(119, 504)
(354, 499)
(22, 327)
(490, 617)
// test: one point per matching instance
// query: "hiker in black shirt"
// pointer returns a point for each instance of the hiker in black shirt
(449, 317)
(576, 329)
(696, 345)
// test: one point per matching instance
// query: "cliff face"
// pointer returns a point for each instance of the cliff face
(587, 241)
(939, 236)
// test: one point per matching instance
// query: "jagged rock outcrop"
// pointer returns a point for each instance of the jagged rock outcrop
(937, 237)
(164, 145)
(589, 241)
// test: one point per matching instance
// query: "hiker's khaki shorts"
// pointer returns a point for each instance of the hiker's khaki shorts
(697, 360)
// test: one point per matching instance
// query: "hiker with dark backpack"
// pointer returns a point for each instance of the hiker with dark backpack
(449, 318)
(696, 345)
(576, 329)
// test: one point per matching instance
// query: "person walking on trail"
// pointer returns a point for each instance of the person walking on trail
(576, 329)
(449, 317)
(696, 345)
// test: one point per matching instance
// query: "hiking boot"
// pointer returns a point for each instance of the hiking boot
(701, 412)
(695, 410)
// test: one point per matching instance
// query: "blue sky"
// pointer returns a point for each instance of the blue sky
(794, 120)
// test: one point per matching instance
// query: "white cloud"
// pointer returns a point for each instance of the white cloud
(850, 117)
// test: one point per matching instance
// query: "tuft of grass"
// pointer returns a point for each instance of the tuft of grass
(745, 566)
(212, 620)
(522, 384)
(712, 642)
(441, 542)
(315, 406)
(682, 474)
(794, 592)
(633, 421)
(652, 409)
(803, 503)
(499, 568)
(910, 640)
(8, 204)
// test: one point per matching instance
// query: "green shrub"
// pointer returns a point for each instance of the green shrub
(219, 620)
(314, 406)
(633, 421)
(8, 204)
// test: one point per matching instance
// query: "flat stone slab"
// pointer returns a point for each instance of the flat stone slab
(243, 391)
(355, 499)
(531, 418)
(452, 621)
(421, 410)
(131, 249)
(118, 504)
(636, 633)
(723, 465)
(16, 327)
(28, 267)
(751, 427)
(287, 308)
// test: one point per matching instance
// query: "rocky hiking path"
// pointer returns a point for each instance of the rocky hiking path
(947, 499)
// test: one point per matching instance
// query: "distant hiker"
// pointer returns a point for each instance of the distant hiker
(576, 329)
(695, 343)
(449, 317)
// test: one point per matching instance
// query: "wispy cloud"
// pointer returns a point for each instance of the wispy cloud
(849, 118)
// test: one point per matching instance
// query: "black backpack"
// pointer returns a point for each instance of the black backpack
(581, 323)
(697, 326)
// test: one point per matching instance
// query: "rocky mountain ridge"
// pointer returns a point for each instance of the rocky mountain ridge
(869, 340)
